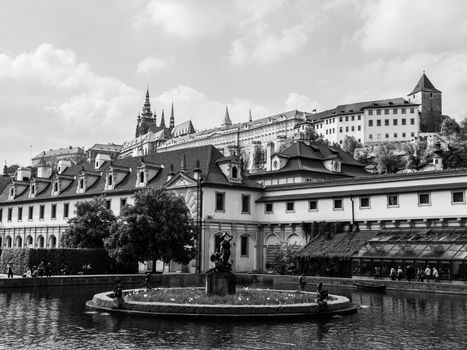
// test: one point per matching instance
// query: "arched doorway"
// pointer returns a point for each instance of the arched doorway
(53, 242)
(9, 242)
(29, 242)
(19, 242)
(272, 249)
(40, 241)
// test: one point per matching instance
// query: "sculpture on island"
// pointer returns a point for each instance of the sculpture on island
(118, 294)
(222, 256)
(220, 280)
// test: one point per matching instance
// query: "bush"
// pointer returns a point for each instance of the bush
(100, 262)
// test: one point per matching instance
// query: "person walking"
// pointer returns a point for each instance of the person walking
(428, 273)
(392, 274)
(9, 268)
(435, 274)
(399, 273)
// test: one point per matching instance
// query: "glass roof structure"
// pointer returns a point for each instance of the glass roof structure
(437, 243)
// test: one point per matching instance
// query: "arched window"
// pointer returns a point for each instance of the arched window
(141, 176)
(8, 242)
(29, 242)
(33, 189)
(110, 180)
(56, 186)
(19, 242)
(81, 183)
(53, 242)
(12, 192)
(234, 172)
(40, 241)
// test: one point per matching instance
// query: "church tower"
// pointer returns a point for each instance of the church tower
(430, 107)
(146, 119)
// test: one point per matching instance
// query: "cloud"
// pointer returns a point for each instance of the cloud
(410, 26)
(300, 102)
(153, 64)
(184, 19)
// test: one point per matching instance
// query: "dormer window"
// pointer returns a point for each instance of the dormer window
(234, 172)
(33, 189)
(81, 184)
(12, 192)
(141, 177)
(56, 186)
(110, 180)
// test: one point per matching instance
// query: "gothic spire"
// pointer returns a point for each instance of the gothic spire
(183, 164)
(227, 120)
(172, 118)
(147, 105)
(162, 119)
(250, 118)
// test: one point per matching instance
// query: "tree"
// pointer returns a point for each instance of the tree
(90, 226)
(455, 155)
(258, 156)
(449, 128)
(416, 156)
(387, 161)
(156, 227)
(350, 143)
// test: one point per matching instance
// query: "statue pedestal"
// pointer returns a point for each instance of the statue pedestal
(220, 283)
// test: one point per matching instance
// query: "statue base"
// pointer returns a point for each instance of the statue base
(220, 283)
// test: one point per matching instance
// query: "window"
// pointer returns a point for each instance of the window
(1, 216)
(346, 118)
(340, 119)
(66, 208)
(245, 204)
(378, 122)
(53, 213)
(122, 203)
(404, 134)
(378, 112)
(56, 186)
(338, 205)
(412, 110)
(386, 111)
(110, 180)
(364, 202)
(393, 201)
(10, 213)
(412, 134)
(412, 121)
(41, 212)
(313, 205)
(141, 177)
(244, 246)
(20, 213)
(359, 117)
(386, 136)
(33, 189)
(340, 129)
(353, 118)
(220, 196)
(370, 112)
(394, 122)
(370, 123)
(268, 208)
(424, 199)
(403, 110)
(290, 206)
(81, 183)
(403, 121)
(386, 122)
(234, 172)
(108, 204)
(458, 197)
(353, 128)
(394, 111)
(359, 127)
(347, 129)
(370, 136)
(395, 135)
(30, 212)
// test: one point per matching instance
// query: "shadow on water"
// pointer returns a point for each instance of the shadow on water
(53, 318)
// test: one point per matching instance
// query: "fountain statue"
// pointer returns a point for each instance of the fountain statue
(220, 280)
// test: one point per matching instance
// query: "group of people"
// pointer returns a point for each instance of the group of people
(41, 270)
(421, 274)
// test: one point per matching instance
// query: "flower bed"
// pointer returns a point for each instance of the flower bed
(245, 296)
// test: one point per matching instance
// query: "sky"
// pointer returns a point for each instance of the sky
(75, 73)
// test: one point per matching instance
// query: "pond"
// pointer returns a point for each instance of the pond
(56, 318)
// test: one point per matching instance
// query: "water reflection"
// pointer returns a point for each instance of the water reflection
(56, 318)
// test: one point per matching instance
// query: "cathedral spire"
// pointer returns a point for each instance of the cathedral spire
(250, 119)
(147, 105)
(227, 120)
(172, 118)
(162, 119)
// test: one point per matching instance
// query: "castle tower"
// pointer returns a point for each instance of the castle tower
(430, 106)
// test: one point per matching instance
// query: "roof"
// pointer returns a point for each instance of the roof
(341, 245)
(207, 156)
(184, 128)
(359, 107)
(424, 84)
(106, 147)
(59, 152)
(4, 181)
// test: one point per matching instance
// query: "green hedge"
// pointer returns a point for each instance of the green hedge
(25, 258)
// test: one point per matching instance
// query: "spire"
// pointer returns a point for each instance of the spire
(227, 120)
(172, 118)
(147, 105)
(424, 84)
(162, 119)
(250, 118)
(183, 164)
(5, 169)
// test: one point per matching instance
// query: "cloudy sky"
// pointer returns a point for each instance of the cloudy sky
(75, 72)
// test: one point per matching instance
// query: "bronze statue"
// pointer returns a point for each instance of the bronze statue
(221, 257)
